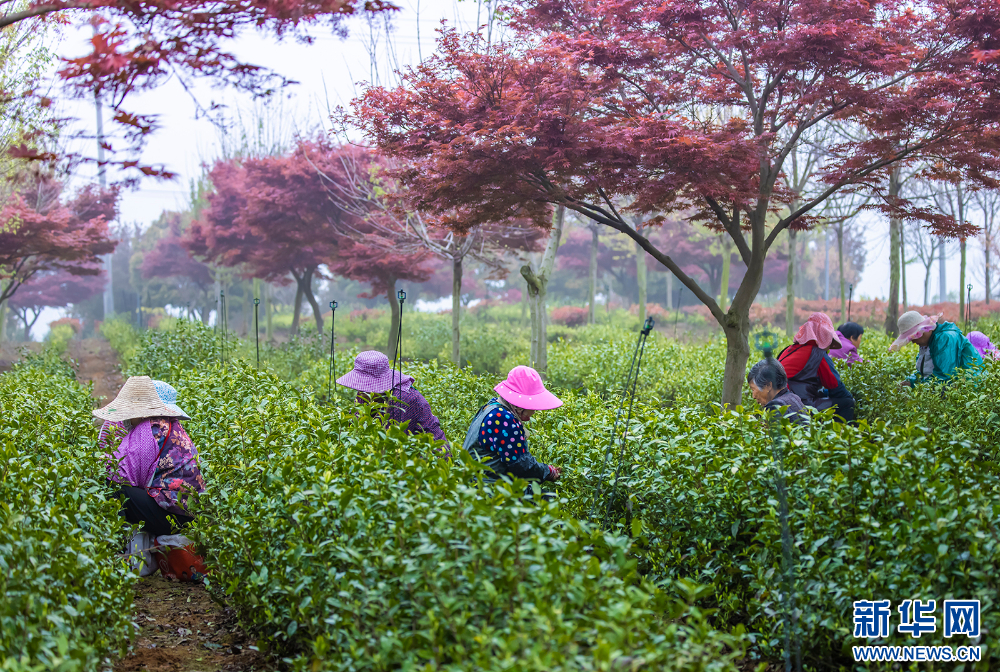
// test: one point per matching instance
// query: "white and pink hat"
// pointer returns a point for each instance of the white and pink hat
(911, 325)
(524, 389)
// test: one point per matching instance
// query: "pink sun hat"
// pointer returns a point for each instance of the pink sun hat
(372, 373)
(818, 329)
(523, 388)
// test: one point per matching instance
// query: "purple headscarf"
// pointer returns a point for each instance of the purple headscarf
(134, 460)
(982, 343)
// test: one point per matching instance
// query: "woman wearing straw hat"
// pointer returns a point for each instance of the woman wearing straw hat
(943, 348)
(372, 378)
(155, 463)
(497, 435)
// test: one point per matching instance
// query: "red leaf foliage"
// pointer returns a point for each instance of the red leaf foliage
(39, 233)
(693, 107)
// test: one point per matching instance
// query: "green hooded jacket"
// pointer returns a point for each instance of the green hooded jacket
(950, 350)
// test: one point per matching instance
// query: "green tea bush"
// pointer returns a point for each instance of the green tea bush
(58, 338)
(347, 546)
(122, 336)
(964, 409)
(67, 592)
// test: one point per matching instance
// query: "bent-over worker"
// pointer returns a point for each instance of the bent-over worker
(769, 388)
(497, 435)
(372, 378)
(943, 348)
(810, 370)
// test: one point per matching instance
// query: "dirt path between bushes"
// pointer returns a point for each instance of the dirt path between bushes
(178, 627)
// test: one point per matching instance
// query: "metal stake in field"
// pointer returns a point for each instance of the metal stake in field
(333, 333)
(968, 307)
(398, 352)
(256, 330)
(766, 343)
(628, 393)
(850, 298)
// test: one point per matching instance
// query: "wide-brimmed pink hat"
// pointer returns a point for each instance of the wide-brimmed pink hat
(523, 388)
(911, 325)
(372, 373)
(818, 329)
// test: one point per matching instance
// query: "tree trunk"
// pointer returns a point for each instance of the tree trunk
(537, 283)
(3, 316)
(456, 308)
(790, 285)
(942, 274)
(737, 354)
(247, 307)
(592, 289)
(297, 306)
(640, 277)
(927, 277)
(670, 290)
(524, 307)
(961, 282)
(895, 225)
(987, 268)
(390, 294)
(726, 262)
(902, 265)
(840, 264)
(307, 291)
(826, 264)
(269, 312)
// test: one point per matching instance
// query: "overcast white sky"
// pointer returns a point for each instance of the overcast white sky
(329, 72)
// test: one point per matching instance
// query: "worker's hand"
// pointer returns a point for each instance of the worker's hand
(554, 473)
(904, 383)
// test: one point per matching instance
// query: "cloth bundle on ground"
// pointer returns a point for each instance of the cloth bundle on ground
(173, 554)
(983, 345)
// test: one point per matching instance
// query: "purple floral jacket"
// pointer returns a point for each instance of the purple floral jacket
(177, 472)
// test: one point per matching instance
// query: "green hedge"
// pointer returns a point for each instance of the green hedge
(373, 549)
(67, 592)
(346, 546)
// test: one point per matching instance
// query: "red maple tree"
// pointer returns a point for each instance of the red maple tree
(690, 106)
(39, 232)
(267, 215)
(139, 44)
(170, 260)
(53, 289)
(273, 217)
(361, 187)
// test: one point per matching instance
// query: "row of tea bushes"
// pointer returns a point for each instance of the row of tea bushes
(348, 546)
(896, 511)
(67, 593)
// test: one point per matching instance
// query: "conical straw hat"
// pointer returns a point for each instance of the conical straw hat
(137, 399)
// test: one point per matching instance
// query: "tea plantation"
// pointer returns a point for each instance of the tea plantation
(344, 545)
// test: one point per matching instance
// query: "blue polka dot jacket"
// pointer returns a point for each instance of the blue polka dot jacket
(500, 441)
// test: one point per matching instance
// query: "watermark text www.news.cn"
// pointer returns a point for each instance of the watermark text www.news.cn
(961, 619)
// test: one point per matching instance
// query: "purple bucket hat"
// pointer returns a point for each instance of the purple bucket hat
(373, 374)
